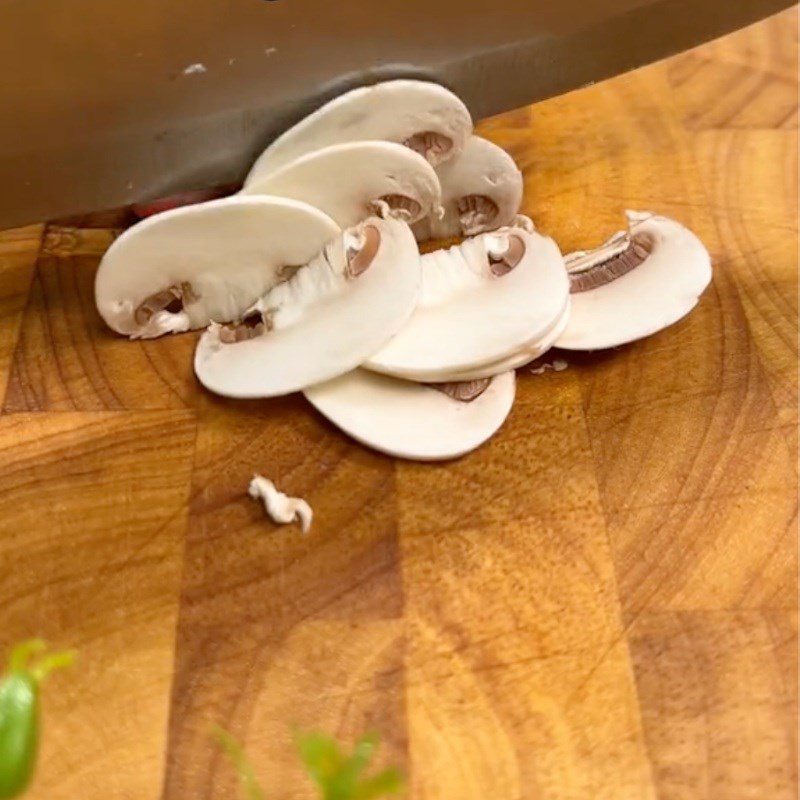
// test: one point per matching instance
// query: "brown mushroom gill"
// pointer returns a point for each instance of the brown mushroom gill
(476, 212)
(400, 206)
(587, 272)
(503, 264)
(288, 271)
(253, 325)
(359, 259)
(170, 300)
(433, 146)
(463, 391)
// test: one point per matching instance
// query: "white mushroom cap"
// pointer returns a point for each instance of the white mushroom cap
(481, 191)
(635, 285)
(188, 266)
(475, 309)
(412, 420)
(350, 181)
(525, 354)
(325, 321)
(424, 116)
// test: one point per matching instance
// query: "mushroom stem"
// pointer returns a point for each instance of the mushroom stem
(163, 322)
(505, 251)
(582, 260)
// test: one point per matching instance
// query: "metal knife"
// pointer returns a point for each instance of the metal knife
(105, 103)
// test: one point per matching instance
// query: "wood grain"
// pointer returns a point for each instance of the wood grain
(600, 603)
(68, 360)
(744, 172)
(93, 510)
(249, 595)
(519, 681)
(18, 251)
(716, 689)
(744, 81)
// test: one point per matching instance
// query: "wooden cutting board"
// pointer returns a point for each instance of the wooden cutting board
(600, 603)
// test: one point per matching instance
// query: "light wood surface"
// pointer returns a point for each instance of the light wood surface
(600, 603)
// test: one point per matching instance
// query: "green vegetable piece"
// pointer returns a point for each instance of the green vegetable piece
(236, 754)
(19, 713)
(390, 781)
(338, 776)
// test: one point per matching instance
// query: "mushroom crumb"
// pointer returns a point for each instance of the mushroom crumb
(558, 365)
(280, 508)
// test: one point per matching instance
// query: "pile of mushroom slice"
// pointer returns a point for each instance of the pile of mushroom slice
(425, 422)
(183, 268)
(423, 116)
(639, 282)
(482, 303)
(310, 279)
(321, 323)
(351, 179)
(481, 191)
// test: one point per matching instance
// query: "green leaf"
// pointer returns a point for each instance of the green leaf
(346, 779)
(238, 758)
(321, 755)
(363, 752)
(21, 654)
(52, 662)
(390, 781)
(339, 776)
(20, 713)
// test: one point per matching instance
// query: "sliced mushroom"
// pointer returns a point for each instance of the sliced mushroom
(636, 284)
(481, 191)
(414, 420)
(423, 116)
(183, 268)
(354, 180)
(324, 321)
(481, 302)
(527, 353)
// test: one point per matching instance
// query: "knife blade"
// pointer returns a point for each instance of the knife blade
(108, 104)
